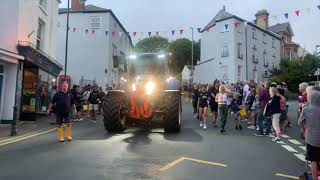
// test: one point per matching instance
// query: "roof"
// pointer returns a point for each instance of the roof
(281, 28)
(271, 33)
(222, 15)
(95, 9)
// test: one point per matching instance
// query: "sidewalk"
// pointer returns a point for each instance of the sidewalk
(26, 127)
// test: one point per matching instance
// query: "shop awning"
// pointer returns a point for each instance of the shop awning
(9, 56)
(39, 58)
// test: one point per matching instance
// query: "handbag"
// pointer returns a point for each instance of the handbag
(243, 112)
(85, 107)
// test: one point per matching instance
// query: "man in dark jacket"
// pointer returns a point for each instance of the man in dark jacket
(94, 103)
(62, 101)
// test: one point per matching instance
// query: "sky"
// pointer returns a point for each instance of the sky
(167, 15)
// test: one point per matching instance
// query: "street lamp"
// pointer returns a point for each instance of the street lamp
(67, 41)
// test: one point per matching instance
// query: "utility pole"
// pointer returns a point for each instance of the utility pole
(67, 41)
(191, 54)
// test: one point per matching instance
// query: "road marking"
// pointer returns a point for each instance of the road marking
(285, 136)
(293, 141)
(280, 142)
(301, 157)
(206, 162)
(303, 148)
(21, 138)
(287, 176)
(177, 161)
(173, 163)
(289, 148)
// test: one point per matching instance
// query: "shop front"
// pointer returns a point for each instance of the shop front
(40, 74)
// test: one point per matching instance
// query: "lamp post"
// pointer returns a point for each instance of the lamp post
(67, 41)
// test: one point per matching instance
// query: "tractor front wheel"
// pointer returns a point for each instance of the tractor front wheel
(172, 113)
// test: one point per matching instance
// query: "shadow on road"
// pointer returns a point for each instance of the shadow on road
(186, 135)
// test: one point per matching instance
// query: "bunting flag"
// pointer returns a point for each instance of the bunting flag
(297, 12)
(236, 24)
(87, 31)
(181, 31)
(107, 32)
(149, 33)
(157, 33)
(134, 34)
(319, 7)
(93, 31)
(113, 34)
(74, 29)
(286, 15)
(120, 33)
(199, 30)
(172, 32)
(226, 26)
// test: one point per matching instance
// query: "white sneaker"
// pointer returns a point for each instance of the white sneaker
(276, 139)
(80, 119)
(201, 124)
(251, 127)
(195, 116)
(204, 127)
(257, 128)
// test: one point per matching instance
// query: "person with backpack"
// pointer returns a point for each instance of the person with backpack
(274, 104)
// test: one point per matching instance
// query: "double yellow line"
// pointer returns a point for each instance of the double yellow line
(24, 137)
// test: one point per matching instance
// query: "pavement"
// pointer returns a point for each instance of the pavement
(143, 154)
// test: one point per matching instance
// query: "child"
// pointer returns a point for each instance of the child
(235, 107)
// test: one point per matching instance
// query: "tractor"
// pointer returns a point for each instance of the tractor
(149, 96)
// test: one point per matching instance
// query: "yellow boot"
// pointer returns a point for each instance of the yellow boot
(68, 133)
(60, 134)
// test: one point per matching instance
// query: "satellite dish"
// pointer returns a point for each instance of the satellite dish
(82, 1)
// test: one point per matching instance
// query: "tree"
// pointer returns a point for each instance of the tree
(152, 44)
(181, 50)
(293, 72)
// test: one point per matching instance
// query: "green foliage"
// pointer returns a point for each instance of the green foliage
(152, 44)
(293, 72)
(180, 49)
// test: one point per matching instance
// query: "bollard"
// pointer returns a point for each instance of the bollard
(14, 131)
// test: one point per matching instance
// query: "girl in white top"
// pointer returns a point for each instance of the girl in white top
(221, 99)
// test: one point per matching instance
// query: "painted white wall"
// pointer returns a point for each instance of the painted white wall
(211, 50)
(89, 55)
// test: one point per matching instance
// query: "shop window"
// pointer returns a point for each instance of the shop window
(29, 89)
(43, 91)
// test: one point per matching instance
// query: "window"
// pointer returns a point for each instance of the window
(114, 50)
(43, 4)
(254, 59)
(224, 73)
(225, 50)
(40, 33)
(289, 54)
(273, 43)
(265, 62)
(239, 50)
(254, 33)
(264, 38)
(254, 47)
(273, 65)
(285, 39)
(95, 22)
(239, 72)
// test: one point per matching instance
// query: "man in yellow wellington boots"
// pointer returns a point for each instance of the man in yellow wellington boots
(62, 101)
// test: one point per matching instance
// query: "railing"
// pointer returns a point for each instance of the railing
(29, 44)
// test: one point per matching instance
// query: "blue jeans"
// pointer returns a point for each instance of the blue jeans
(261, 118)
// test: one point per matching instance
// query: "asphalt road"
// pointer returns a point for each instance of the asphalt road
(143, 154)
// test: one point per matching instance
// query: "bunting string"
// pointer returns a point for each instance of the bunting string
(181, 32)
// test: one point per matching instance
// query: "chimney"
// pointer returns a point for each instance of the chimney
(77, 5)
(262, 19)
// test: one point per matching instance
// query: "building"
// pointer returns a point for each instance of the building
(233, 49)
(30, 35)
(98, 45)
(186, 74)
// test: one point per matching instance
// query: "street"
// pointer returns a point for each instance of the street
(142, 154)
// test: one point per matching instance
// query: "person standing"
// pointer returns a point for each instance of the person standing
(310, 118)
(203, 106)
(195, 97)
(77, 101)
(221, 99)
(264, 98)
(62, 101)
(52, 113)
(94, 103)
(275, 112)
(213, 91)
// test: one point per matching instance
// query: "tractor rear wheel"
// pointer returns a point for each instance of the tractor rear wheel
(114, 113)
(172, 113)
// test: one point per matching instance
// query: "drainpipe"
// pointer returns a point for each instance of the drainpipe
(246, 35)
(14, 130)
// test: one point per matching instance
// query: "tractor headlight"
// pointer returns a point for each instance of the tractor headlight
(134, 88)
(150, 86)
